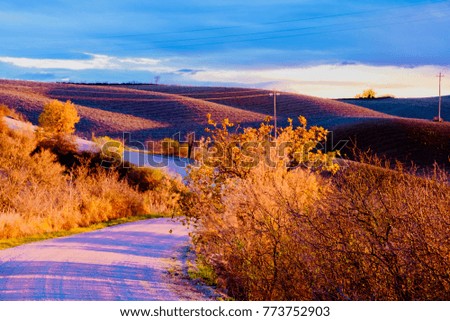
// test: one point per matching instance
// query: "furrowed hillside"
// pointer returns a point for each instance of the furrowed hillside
(318, 111)
(153, 112)
(407, 140)
(29, 98)
(395, 128)
(111, 110)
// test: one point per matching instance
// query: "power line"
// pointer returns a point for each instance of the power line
(250, 33)
(346, 14)
(260, 33)
(397, 22)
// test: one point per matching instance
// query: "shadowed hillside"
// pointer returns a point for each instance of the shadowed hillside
(420, 141)
(423, 108)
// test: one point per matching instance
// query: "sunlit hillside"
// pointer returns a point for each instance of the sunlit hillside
(153, 112)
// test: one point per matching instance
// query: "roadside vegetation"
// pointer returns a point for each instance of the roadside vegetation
(286, 223)
(276, 218)
(48, 187)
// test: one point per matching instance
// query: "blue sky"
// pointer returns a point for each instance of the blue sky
(319, 47)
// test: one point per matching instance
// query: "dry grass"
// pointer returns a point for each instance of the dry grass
(384, 235)
(367, 234)
(39, 195)
(13, 242)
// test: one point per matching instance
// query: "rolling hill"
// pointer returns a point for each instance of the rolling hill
(152, 112)
(155, 112)
(318, 111)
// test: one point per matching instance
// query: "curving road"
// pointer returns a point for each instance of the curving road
(124, 262)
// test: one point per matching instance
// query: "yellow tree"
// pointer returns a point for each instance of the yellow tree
(59, 118)
(367, 94)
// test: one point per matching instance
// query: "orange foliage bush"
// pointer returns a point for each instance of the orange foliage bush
(388, 235)
(38, 194)
(288, 232)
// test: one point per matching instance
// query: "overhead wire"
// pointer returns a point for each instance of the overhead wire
(345, 14)
(274, 34)
(398, 21)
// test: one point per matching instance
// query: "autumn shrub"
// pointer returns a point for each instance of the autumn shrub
(57, 125)
(59, 118)
(32, 188)
(256, 243)
(283, 228)
(39, 194)
(250, 197)
(111, 150)
(387, 231)
(103, 196)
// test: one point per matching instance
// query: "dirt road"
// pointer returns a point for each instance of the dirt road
(124, 262)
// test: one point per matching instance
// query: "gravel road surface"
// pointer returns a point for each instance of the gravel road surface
(125, 262)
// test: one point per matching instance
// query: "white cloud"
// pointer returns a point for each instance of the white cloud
(94, 62)
(323, 80)
(337, 80)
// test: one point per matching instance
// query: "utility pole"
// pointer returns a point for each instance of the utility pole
(275, 94)
(440, 96)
